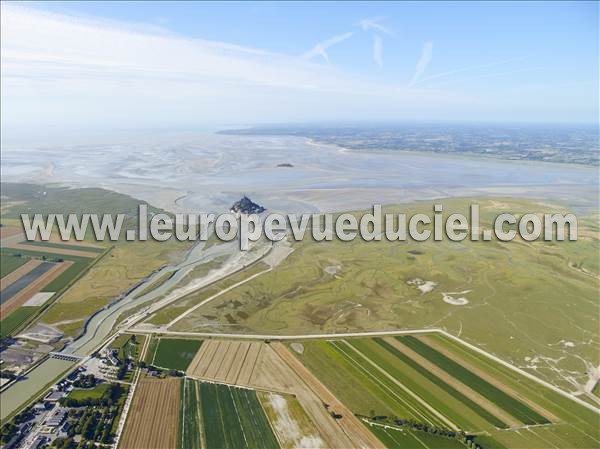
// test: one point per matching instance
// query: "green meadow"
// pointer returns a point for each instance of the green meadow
(516, 291)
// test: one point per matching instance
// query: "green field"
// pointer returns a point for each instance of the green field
(58, 285)
(43, 255)
(174, 353)
(190, 416)
(128, 346)
(152, 345)
(375, 379)
(15, 320)
(401, 358)
(518, 291)
(399, 438)
(234, 419)
(511, 405)
(80, 264)
(98, 392)
(114, 273)
(579, 426)
(395, 390)
(66, 278)
(29, 199)
(126, 264)
(9, 263)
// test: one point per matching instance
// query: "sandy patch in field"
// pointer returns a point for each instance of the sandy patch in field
(307, 386)
(14, 276)
(298, 348)
(286, 427)
(583, 270)
(423, 286)
(41, 332)
(39, 299)
(497, 205)
(593, 373)
(460, 301)
(332, 269)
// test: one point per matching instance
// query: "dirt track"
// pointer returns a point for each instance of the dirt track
(24, 295)
(153, 419)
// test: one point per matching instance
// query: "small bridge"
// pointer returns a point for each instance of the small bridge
(63, 356)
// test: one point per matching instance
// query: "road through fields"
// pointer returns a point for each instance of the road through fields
(372, 334)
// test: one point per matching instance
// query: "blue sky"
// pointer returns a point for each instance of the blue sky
(135, 64)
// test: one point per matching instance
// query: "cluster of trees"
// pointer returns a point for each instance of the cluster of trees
(43, 257)
(7, 432)
(26, 415)
(85, 381)
(468, 440)
(10, 428)
(64, 443)
(171, 372)
(123, 369)
(93, 424)
(87, 402)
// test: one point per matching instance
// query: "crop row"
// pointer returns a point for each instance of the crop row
(516, 408)
(191, 424)
(395, 395)
(443, 385)
(233, 418)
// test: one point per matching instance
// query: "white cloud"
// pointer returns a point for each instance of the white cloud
(320, 48)
(375, 25)
(378, 50)
(424, 60)
(66, 71)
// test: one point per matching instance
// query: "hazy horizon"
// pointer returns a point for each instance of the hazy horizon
(104, 67)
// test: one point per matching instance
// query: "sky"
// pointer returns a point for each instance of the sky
(69, 66)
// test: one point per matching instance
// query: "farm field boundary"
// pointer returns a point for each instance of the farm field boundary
(301, 337)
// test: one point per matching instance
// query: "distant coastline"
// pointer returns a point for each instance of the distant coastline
(573, 145)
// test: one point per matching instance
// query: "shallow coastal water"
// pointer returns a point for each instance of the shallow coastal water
(206, 173)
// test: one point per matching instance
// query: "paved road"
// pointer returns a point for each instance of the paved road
(142, 330)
